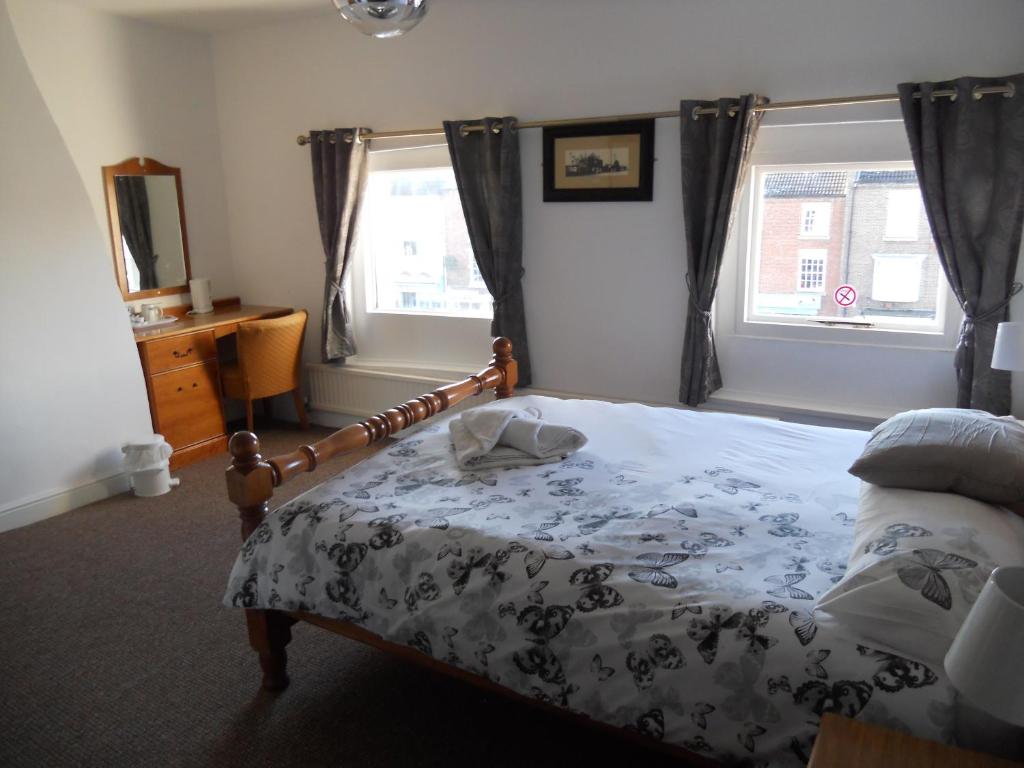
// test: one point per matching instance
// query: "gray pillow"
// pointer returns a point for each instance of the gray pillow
(972, 453)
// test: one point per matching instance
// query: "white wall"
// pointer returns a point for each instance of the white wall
(604, 282)
(71, 390)
(119, 88)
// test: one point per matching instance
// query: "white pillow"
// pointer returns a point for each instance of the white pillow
(919, 562)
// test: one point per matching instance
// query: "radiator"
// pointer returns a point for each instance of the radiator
(363, 390)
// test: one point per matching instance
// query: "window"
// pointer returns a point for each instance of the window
(897, 281)
(814, 220)
(896, 278)
(902, 214)
(812, 270)
(414, 243)
(474, 273)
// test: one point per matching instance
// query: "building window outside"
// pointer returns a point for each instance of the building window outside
(814, 220)
(416, 248)
(896, 278)
(812, 270)
(902, 214)
(898, 282)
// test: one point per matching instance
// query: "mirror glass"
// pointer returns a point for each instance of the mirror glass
(147, 228)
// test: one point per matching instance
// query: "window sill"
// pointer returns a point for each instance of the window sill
(873, 336)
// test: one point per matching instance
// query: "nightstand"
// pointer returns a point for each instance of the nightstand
(845, 743)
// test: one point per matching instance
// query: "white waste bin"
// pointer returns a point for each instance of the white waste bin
(147, 461)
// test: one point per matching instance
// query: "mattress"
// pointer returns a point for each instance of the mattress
(663, 579)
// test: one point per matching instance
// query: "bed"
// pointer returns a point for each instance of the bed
(661, 581)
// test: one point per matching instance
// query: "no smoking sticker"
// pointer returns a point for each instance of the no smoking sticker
(845, 296)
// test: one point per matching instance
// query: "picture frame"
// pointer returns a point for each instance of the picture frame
(599, 162)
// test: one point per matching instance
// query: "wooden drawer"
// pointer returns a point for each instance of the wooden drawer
(166, 354)
(186, 404)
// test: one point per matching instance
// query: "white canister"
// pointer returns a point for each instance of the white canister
(202, 301)
(147, 461)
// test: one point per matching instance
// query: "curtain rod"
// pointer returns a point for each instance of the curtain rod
(977, 93)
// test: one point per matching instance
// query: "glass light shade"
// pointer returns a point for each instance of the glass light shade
(382, 18)
(984, 661)
(1009, 350)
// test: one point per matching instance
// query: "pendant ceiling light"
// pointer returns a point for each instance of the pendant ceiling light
(382, 18)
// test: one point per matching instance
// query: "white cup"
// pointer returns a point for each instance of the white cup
(152, 312)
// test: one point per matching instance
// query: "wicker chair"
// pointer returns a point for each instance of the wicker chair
(269, 363)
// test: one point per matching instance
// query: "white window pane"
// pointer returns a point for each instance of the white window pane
(418, 254)
(896, 278)
(812, 269)
(903, 214)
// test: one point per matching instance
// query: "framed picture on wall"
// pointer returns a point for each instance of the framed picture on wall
(599, 162)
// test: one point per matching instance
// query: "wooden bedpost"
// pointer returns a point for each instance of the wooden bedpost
(509, 367)
(250, 486)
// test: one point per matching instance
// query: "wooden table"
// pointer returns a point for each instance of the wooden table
(180, 365)
(846, 743)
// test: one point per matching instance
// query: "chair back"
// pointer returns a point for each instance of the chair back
(270, 354)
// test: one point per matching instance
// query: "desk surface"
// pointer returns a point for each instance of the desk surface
(219, 320)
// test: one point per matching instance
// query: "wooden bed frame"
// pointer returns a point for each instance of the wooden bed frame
(251, 480)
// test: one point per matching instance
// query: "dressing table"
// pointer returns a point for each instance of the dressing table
(145, 207)
(180, 365)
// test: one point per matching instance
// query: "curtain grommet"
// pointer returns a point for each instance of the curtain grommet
(495, 128)
(357, 136)
(512, 125)
(696, 113)
(463, 130)
(347, 137)
(1010, 92)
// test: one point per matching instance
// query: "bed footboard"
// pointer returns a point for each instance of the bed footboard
(251, 480)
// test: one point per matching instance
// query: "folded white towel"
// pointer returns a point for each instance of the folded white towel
(488, 438)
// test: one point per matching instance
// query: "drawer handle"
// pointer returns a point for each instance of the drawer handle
(186, 353)
(194, 385)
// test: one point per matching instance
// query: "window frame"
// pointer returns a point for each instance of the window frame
(909, 333)
(414, 158)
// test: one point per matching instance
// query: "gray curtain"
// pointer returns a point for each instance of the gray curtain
(487, 171)
(969, 155)
(133, 211)
(339, 180)
(715, 156)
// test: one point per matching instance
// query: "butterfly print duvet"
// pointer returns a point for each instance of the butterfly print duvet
(661, 580)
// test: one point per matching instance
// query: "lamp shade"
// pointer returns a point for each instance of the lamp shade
(382, 18)
(1009, 350)
(985, 661)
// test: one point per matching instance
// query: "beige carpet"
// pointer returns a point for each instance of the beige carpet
(115, 651)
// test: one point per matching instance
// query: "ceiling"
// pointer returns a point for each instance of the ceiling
(210, 15)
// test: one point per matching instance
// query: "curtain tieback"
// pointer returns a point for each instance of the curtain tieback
(511, 293)
(994, 311)
(704, 314)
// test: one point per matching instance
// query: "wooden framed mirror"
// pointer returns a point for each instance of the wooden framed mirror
(147, 228)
